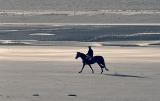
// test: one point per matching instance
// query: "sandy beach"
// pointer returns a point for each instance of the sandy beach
(40, 38)
(50, 73)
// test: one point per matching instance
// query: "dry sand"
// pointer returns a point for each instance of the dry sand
(45, 73)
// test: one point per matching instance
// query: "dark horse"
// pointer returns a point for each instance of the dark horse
(96, 59)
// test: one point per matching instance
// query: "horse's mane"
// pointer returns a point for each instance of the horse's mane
(81, 53)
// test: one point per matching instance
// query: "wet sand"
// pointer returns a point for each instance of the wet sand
(38, 73)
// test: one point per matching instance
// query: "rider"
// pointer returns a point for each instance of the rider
(90, 53)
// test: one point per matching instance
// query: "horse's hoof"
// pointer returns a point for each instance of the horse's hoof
(80, 72)
(107, 69)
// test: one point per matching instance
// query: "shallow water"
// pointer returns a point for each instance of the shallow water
(81, 35)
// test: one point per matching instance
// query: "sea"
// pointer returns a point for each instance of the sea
(126, 35)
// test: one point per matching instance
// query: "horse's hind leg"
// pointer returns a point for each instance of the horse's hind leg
(106, 68)
(91, 68)
(101, 70)
(101, 67)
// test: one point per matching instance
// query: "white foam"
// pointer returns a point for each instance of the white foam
(42, 34)
(148, 33)
(8, 30)
(144, 34)
(17, 41)
(5, 41)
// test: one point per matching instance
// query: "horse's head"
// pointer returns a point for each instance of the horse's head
(77, 55)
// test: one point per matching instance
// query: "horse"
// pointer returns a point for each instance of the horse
(96, 59)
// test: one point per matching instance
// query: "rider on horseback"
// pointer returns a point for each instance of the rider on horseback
(88, 59)
(90, 53)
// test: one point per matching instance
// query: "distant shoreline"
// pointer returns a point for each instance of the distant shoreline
(79, 24)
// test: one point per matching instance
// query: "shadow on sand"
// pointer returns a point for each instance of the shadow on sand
(125, 75)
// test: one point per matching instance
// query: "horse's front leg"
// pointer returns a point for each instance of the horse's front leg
(91, 68)
(82, 68)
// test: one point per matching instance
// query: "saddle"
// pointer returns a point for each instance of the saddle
(89, 58)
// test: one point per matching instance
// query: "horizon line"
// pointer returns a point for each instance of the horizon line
(65, 24)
